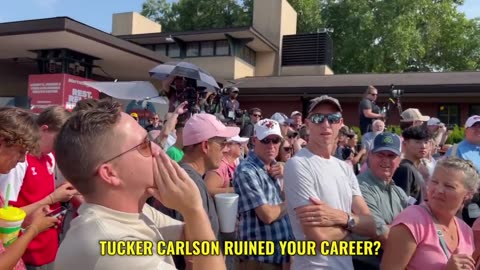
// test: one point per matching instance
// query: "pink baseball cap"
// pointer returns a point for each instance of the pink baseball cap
(203, 126)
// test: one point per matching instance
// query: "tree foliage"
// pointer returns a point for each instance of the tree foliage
(369, 35)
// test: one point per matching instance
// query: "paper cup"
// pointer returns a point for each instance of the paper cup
(227, 208)
(11, 220)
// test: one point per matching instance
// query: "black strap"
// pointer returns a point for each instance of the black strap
(443, 244)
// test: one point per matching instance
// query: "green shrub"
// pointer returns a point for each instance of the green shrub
(456, 136)
(394, 129)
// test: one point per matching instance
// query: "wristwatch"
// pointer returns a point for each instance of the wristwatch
(351, 223)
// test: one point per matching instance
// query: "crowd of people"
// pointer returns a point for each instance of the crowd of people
(298, 177)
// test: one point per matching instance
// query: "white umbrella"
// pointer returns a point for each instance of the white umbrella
(135, 90)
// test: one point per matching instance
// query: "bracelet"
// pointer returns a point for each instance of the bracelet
(31, 226)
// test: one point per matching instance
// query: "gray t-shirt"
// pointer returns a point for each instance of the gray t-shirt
(207, 200)
(330, 180)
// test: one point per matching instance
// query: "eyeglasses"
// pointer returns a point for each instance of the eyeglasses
(220, 141)
(373, 94)
(332, 118)
(257, 115)
(287, 149)
(144, 148)
(268, 141)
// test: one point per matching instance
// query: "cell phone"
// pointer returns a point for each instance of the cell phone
(57, 212)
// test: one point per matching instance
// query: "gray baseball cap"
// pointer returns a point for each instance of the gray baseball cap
(324, 99)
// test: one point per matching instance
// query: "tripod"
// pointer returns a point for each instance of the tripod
(390, 106)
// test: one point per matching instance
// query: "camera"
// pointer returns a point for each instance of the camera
(396, 93)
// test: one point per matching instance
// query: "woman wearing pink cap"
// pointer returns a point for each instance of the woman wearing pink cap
(220, 180)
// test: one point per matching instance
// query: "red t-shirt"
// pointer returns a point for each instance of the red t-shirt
(38, 183)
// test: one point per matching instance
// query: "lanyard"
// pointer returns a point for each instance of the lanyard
(443, 244)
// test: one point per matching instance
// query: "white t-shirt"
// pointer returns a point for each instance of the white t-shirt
(15, 179)
(80, 249)
(332, 181)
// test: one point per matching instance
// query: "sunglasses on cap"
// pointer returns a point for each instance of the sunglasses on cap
(274, 140)
(332, 118)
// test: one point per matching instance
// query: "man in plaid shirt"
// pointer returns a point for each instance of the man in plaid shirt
(261, 205)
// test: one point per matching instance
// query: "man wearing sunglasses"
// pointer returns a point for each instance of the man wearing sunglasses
(255, 115)
(108, 157)
(261, 206)
(323, 197)
(368, 110)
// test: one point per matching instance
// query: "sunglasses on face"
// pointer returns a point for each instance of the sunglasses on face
(222, 142)
(268, 141)
(332, 118)
(287, 149)
(257, 115)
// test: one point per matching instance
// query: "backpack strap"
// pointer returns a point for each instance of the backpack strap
(454, 150)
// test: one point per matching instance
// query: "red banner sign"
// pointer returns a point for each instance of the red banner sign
(47, 90)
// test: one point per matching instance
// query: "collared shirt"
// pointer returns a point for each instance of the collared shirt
(467, 151)
(385, 201)
(256, 188)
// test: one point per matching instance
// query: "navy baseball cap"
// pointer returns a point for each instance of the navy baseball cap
(387, 142)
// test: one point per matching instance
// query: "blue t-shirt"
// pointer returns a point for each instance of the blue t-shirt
(467, 151)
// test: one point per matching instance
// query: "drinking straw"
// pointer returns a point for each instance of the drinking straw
(7, 196)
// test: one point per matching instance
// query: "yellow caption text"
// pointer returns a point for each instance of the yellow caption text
(238, 248)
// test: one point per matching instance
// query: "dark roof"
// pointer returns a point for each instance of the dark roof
(69, 25)
(353, 83)
(197, 35)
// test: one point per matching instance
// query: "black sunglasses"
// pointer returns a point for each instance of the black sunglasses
(332, 118)
(287, 149)
(268, 141)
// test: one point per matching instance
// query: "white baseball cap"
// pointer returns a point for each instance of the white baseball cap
(472, 120)
(434, 122)
(295, 113)
(267, 127)
(238, 139)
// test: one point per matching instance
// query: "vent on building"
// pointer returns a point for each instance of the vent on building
(307, 49)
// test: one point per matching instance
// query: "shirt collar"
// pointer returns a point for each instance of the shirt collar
(256, 160)
(377, 181)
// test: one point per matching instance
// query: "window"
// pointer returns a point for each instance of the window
(248, 55)
(173, 50)
(474, 110)
(161, 49)
(192, 49)
(206, 48)
(222, 48)
(449, 114)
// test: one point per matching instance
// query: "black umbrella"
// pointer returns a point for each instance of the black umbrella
(183, 69)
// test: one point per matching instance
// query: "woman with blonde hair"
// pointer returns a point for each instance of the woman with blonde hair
(429, 235)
